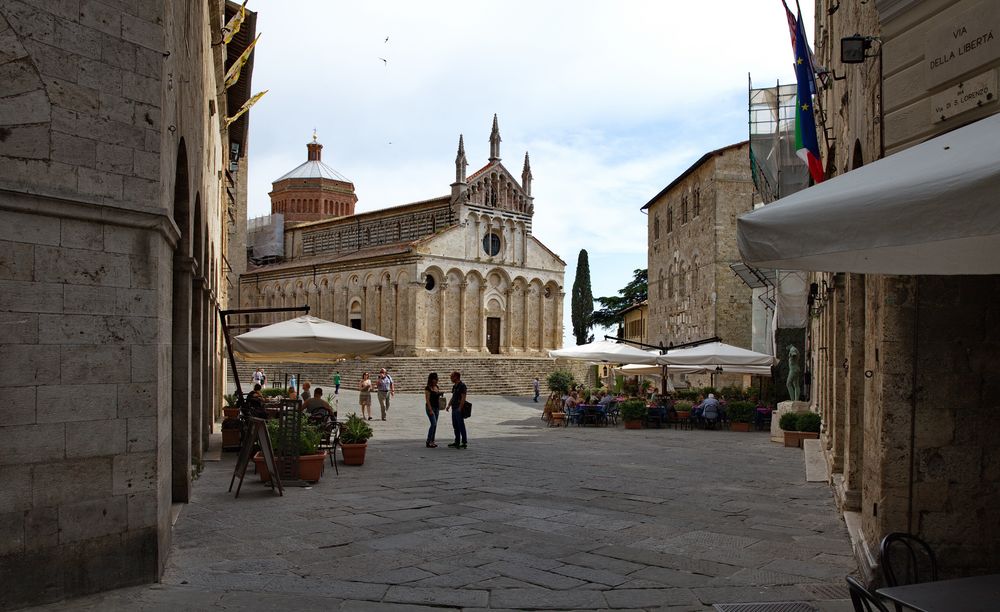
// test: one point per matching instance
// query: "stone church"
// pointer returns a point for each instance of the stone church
(460, 274)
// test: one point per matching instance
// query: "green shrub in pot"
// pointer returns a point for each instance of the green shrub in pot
(808, 421)
(633, 410)
(789, 421)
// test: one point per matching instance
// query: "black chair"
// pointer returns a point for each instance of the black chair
(863, 599)
(906, 559)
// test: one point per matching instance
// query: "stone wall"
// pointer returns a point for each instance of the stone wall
(693, 294)
(108, 185)
(900, 369)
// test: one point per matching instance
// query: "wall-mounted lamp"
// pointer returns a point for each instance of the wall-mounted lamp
(853, 48)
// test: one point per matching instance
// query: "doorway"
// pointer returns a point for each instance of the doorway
(493, 334)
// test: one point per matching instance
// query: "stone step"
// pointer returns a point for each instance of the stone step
(483, 375)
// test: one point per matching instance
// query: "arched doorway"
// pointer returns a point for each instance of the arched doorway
(180, 382)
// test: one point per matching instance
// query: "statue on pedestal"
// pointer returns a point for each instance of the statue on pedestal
(793, 381)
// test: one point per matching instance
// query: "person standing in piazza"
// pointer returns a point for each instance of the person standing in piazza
(537, 388)
(259, 378)
(336, 382)
(365, 396)
(458, 394)
(386, 390)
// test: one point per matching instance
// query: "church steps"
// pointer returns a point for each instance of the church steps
(483, 375)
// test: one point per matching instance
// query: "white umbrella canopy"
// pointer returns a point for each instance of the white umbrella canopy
(712, 354)
(308, 339)
(644, 370)
(605, 351)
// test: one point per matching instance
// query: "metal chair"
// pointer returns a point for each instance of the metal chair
(906, 559)
(863, 599)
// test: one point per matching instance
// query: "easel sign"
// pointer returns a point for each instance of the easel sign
(258, 434)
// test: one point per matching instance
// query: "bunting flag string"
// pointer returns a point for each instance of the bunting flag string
(246, 106)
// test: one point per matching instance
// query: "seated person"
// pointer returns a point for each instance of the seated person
(710, 408)
(606, 399)
(697, 408)
(573, 400)
(255, 402)
(318, 408)
(291, 393)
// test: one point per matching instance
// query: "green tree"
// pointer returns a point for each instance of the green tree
(634, 292)
(582, 303)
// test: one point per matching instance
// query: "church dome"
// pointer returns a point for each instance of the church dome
(313, 167)
(313, 191)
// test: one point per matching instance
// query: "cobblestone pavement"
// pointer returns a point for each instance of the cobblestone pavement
(528, 517)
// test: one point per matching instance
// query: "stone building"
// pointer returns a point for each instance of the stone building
(458, 274)
(904, 367)
(116, 187)
(635, 323)
(693, 293)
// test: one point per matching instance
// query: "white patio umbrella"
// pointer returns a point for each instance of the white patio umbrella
(606, 352)
(713, 354)
(308, 339)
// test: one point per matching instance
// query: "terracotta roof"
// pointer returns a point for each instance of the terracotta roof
(381, 250)
(480, 171)
(704, 158)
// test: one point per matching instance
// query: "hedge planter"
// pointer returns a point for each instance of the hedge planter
(793, 439)
(739, 426)
(354, 454)
(633, 424)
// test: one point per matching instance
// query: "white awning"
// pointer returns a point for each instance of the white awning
(605, 352)
(931, 209)
(307, 339)
(713, 354)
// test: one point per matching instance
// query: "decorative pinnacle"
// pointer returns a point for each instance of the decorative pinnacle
(495, 140)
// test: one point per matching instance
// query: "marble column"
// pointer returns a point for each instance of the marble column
(462, 288)
(442, 315)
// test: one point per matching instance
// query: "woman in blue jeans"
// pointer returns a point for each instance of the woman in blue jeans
(432, 405)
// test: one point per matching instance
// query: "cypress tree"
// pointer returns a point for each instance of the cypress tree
(582, 301)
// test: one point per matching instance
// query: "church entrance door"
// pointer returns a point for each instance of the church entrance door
(493, 334)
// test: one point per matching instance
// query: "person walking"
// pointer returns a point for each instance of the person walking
(386, 390)
(365, 396)
(336, 382)
(458, 394)
(258, 377)
(432, 406)
(537, 387)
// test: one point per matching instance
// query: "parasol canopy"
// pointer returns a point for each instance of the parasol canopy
(308, 339)
(712, 354)
(606, 352)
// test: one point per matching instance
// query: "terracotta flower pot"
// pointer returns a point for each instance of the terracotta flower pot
(311, 467)
(230, 438)
(230, 412)
(354, 454)
(683, 415)
(633, 424)
(739, 426)
(793, 439)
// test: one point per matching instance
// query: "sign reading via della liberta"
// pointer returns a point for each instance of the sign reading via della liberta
(969, 40)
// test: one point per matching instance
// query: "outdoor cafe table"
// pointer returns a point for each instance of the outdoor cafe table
(975, 594)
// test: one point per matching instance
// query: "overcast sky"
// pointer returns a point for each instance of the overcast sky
(612, 99)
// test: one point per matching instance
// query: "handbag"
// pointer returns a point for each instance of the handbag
(466, 410)
(442, 403)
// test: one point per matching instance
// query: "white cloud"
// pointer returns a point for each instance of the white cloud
(613, 99)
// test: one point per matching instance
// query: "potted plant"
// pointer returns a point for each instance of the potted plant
(229, 410)
(560, 382)
(310, 460)
(231, 427)
(798, 426)
(354, 435)
(740, 415)
(633, 413)
(683, 408)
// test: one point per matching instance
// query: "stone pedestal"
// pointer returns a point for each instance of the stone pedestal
(783, 407)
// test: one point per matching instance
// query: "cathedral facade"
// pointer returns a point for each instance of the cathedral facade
(458, 274)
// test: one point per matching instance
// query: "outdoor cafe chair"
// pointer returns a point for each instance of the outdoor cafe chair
(863, 599)
(574, 415)
(906, 559)
(611, 413)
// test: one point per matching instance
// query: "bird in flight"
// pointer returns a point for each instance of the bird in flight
(385, 61)
(386, 39)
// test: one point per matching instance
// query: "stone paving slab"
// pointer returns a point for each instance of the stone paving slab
(526, 518)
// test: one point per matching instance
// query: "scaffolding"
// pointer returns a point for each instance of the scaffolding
(777, 170)
(266, 239)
